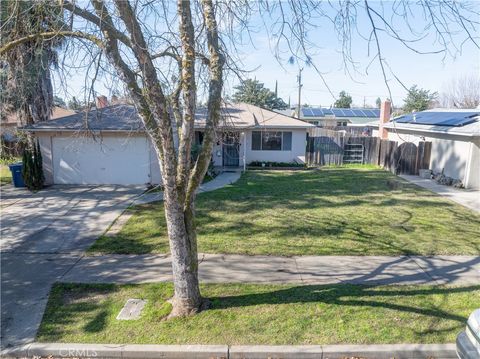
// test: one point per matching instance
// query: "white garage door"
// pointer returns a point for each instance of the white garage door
(105, 160)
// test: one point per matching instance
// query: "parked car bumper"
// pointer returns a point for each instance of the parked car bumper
(468, 341)
(465, 348)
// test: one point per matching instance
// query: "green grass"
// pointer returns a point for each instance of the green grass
(262, 314)
(334, 211)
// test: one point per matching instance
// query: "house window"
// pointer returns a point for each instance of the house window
(271, 141)
(287, 141)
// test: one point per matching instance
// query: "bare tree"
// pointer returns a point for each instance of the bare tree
(461, 92)
(166, 55)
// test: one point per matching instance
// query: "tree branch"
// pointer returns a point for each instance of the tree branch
(185, 132)
(51, 35)
(101, 23)
(216, 63)
(154, 95)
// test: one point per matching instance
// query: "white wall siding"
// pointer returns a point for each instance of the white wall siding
(457, 156)
(473, 171)
(296, 154)
(45, 142)
(450, 156)
(155, 173)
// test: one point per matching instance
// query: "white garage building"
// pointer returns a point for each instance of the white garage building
(108, 145)
(455, 138)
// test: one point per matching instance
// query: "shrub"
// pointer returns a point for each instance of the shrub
(32, 170)
(275, 164)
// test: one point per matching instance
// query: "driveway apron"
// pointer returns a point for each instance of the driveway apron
(43, 236)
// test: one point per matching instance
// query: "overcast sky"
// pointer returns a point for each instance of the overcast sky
(430, 71)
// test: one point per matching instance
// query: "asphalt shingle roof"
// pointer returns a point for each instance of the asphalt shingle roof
(125, 118)
(111, 118)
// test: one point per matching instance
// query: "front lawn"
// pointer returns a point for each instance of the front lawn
(333, 211)
(262, 314)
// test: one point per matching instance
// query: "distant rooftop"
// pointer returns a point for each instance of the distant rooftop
(310, 112)
(458, 122)
(440, 118)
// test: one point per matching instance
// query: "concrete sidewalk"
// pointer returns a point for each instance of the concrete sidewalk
(218, 268)
(222, 180)
(466, 197)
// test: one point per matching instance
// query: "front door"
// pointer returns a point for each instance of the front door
(231, 149)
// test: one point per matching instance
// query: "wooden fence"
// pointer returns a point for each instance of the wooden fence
(327, 147)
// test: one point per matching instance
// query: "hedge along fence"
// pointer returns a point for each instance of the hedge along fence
(327, 147)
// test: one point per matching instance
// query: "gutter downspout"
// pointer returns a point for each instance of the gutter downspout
(244, 151)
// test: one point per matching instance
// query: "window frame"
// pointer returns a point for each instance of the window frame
(282, 140)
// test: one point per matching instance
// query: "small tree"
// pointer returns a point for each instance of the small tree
(418, 99)
(378, 102)
(59, 102)
(74, 104)
(32, 170)
(344, 100)
(254, 92)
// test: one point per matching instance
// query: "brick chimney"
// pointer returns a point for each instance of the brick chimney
(385, 111)
(102, 101)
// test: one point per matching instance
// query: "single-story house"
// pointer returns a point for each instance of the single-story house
(334, 117)
(455, 138)
(108, 145)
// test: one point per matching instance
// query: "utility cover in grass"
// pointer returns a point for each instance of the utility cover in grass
(132, 309)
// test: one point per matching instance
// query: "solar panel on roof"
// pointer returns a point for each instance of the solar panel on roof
(307, 112)
(337, 112)
(439, 118)
(340, 112)
(357, 112)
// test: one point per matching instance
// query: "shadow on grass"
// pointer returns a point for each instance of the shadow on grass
(353, 295)
(67, 302)
(432, 310)
(332, 211)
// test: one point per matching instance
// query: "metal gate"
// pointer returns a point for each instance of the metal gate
(231, 149)
(353, 153)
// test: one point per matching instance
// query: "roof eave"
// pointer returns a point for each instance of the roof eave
(429, 130)
(59, 129)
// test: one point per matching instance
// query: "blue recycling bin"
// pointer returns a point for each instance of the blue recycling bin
(16, 169)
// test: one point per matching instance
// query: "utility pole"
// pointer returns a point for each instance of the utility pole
(299, 79)
(364, 102)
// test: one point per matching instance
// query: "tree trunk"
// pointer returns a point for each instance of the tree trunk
(183, 247)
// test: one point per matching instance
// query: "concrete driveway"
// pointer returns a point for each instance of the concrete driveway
(43, 236)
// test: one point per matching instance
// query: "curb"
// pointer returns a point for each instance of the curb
(115, 351)
(134, 351)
